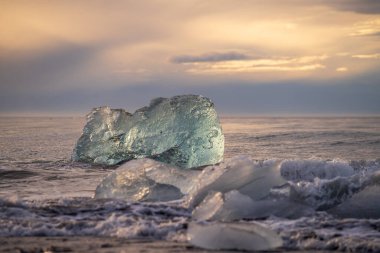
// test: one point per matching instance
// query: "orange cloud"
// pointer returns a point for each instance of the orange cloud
(128, 36)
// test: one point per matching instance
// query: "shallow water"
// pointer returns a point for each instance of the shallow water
(43, 193)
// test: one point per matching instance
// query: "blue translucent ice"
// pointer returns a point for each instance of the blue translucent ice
(182, 131)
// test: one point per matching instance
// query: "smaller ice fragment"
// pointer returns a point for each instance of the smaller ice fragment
(146, 180)
(209, 207)
(236, 206)
(363, 205)
(252, 178)
(233, 236)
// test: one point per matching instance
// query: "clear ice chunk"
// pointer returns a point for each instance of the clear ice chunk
(183, 130)
(146, 180)
(209, 207)
(241, 173)
(363, 205)
(233, 236)
(236, 206)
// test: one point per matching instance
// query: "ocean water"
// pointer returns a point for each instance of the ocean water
(44, 193)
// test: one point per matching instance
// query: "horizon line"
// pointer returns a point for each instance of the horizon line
(221, 115)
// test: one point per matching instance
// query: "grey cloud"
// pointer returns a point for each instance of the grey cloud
(359, 6)
(41, 69)
(347, 96)
(375, 34)
(210, 57)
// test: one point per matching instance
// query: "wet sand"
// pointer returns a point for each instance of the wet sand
(97, 245)
(90, 244)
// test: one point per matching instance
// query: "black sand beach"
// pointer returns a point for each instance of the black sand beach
(100, 245)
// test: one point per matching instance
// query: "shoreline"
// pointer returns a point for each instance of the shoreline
(99, 244)
(94, 244)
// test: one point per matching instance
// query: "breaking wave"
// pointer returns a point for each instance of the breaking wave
(87, 216)
(333, 205)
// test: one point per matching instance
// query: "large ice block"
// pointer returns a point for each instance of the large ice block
(146, 180)
(182, 130)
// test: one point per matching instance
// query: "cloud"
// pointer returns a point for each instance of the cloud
(304, 96)
(366, 28)
(220, 65)
(236, 68)
(359, 6)
(210, 57)
(50, 68)
(57, 47)
(341, 69)
(366, 56)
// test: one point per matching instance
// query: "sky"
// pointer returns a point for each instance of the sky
(251, 57)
